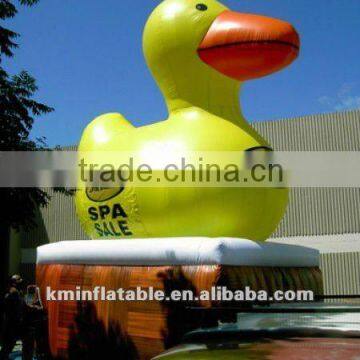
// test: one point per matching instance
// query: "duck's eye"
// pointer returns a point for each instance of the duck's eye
(201, 7)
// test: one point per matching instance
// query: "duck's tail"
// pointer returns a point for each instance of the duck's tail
(115, 120)
(98, 134)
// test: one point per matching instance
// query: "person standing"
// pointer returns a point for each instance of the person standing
(34, 325)
(14, 306)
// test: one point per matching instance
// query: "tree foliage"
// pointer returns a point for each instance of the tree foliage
(18, 111)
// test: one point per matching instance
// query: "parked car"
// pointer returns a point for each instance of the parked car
(302, 331)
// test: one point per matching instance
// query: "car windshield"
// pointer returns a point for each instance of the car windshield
(322, 316)
(321, 319)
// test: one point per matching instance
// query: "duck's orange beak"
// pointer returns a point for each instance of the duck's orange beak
(246, 46)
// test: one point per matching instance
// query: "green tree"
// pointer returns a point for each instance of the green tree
(18, 111)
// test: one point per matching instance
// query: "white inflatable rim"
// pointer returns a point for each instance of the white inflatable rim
(177, 251)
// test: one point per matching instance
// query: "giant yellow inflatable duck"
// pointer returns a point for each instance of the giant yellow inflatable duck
(199, 53)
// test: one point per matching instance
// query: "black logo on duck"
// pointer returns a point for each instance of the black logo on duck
(101, 194)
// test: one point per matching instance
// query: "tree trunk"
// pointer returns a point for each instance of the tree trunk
(4, 258)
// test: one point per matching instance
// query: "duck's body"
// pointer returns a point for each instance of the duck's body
(174, 210)
(204, 116)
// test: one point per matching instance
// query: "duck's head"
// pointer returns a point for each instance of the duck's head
(190, 43)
